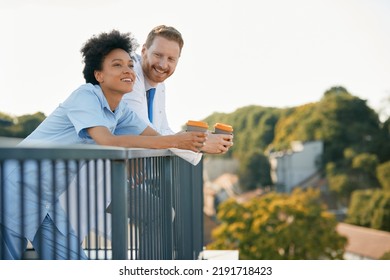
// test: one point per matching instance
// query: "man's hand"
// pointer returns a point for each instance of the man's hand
(217, 143)
(191, 140)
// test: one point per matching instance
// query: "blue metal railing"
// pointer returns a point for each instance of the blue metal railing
(121, 203)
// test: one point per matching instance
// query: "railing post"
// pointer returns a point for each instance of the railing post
(197, 198)
(119, 210)
(167, 208)
(190, 201)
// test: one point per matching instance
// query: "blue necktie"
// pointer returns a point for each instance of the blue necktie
(150, 96)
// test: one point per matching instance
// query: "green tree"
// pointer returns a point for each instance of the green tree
(359, 212)
(383, 175)
(381, 142)
(21, 126)
(5, 119)
(279, 226)
(339, 119)
(253, 128)
(254, 171)
(342, 186)
(366, 163)
(370, 208)
(362, 171)
(295, 124)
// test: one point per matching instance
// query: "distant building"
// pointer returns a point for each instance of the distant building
(293, 167)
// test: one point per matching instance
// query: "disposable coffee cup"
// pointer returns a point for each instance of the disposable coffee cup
(221, 128)
(197, 126)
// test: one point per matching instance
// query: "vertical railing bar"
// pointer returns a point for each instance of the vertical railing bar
(87, 207)
(53, 199)
(130, 188)
(119, 209)
(190, 231)
(176, 205)
(159, 216)
(154, 200)
(178, 225)
(137, 213)
(105, 234)
(96, 214)
(2, 202)
(148, 221)
(168, 205)
(21, 164)
(200, 203)
(144, 213)
(39, 184)
(79, 165)
(194, 210)
(141, 234)
(157, 207)
(67, 204)
(142, 205)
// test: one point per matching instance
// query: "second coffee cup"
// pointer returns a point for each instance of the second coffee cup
(221, 128)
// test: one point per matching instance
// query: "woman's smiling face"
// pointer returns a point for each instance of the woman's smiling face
(117, 74)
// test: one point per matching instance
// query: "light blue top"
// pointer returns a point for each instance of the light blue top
(85, 107)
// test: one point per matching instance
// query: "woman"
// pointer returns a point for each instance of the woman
(92, 114)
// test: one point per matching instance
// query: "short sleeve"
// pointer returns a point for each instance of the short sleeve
(84, 109)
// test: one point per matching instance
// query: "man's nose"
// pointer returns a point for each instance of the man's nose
(163, 62)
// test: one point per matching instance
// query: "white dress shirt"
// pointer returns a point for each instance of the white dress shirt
(136, 100)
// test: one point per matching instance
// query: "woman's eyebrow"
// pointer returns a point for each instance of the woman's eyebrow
(120, 59)
(116, 59)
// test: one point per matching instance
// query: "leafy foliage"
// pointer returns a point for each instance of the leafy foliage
(339, 119)
(253, 128)
(279, 226)
(20, 127)
(370, 208)
(354, 139)
(383, 175)
(254, 171)
(253, 132)
(340, 184)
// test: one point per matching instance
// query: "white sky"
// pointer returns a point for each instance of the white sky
(272, 53)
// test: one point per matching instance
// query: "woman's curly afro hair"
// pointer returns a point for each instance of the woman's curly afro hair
(96, 48)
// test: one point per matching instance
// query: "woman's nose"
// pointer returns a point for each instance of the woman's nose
(128, 69)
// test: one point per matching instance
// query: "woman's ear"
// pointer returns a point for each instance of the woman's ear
(98, 76)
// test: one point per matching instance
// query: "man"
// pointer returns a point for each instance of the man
(158, 60)
(159, 57)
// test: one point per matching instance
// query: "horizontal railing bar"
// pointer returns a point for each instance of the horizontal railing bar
(143, 153)
(73, 152)
(78, 152)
